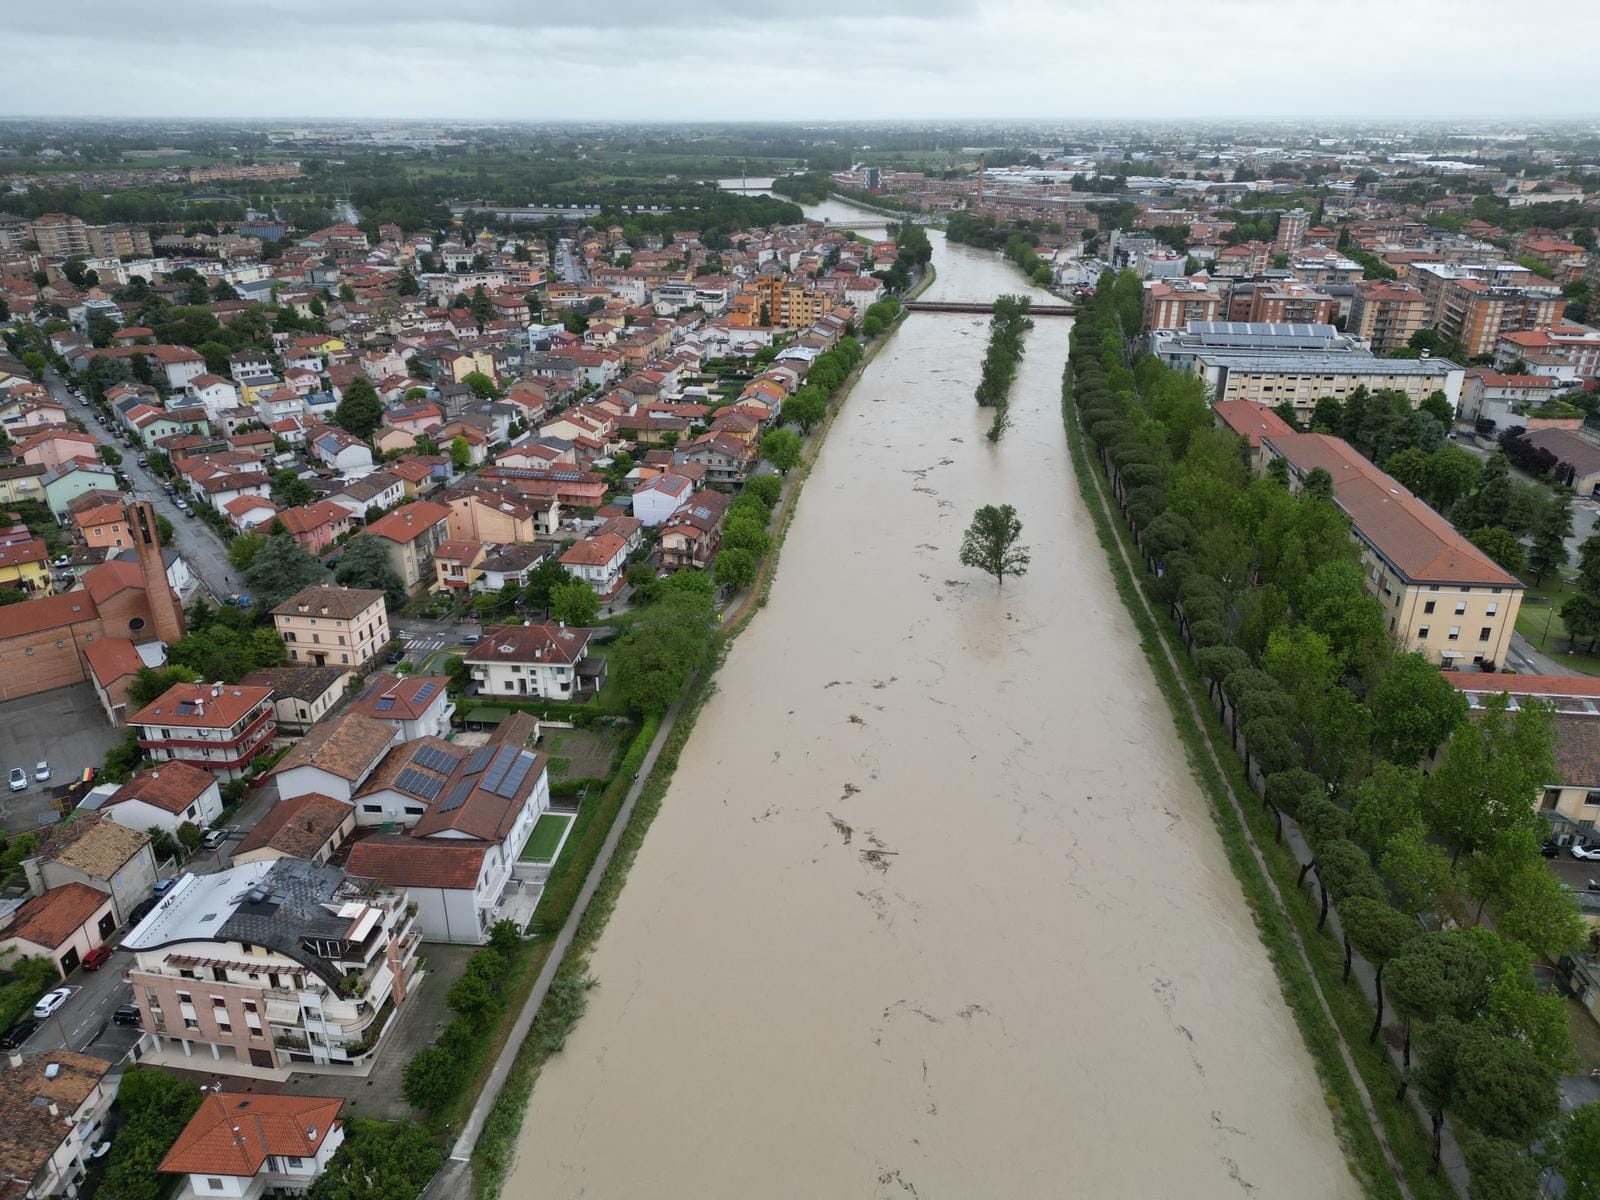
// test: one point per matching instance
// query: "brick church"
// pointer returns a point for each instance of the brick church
(121, 618)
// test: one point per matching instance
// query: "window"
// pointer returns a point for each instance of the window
(1483, 634)
(1428, 607)
(1455, 632)
(1461, 607)
(214, 1184)
(1422, 631)
(1491, 610)
(372, 808)
(1591, 799)
(136, 624)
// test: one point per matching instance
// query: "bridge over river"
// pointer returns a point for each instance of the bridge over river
(985, 306)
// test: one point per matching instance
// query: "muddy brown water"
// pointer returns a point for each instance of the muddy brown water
(933, 907)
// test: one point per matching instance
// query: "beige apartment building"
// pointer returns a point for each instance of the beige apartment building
(1302, 379)
(274, 966)
(323, 626)
(59, 235)
(411, 534)
(1386, 315)
(1444, 597)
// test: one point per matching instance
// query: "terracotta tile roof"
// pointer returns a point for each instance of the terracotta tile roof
(29, 1135)
(303, 682)
(52, 918)
(594, 551)
(410, 521)
(530, 644)
(200, 705)
(298, 827)
(1492, 682)
(173, 786)
(233, 1133)
(400, 697)
(345, 746)
(111, 659)
(418, 862)
(318, 600)
(306, 517)
(1250, 420)
(93, 844)
(47, 612)
(109, 578)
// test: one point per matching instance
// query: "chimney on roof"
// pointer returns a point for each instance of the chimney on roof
(16, 1058)
(216, 687)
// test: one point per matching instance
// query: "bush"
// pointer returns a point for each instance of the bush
(156, 1106)
(432, 1078)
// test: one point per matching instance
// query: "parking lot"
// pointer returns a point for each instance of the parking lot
(66, 728)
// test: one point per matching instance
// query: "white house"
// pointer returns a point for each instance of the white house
(658, 498)
(547, 661)
(217, 394)
(246, 512)
(336, 757)
(246, 1145)
(55, 1105)
(417, 705)
(599, 562)
(166, 797)
(337, 449)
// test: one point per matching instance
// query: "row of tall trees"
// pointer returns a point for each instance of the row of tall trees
(1335, 722)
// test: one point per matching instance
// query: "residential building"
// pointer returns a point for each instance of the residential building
(302, 696)
(1443, 596)
(1577, 457)
(55, 1107)
(416, 705)
(277, 966)
(1173, 303)
(1503, 399)
(247, 1145)
(1386, 315)
(457, 564)
(94, 850)
(1292, 227)
(317, 526)
(25, 567)
(221, 728)
(336, 757)
(458, 861)
(1301, 379)
(1253, 422)
(657, 498)
(310, 826)
(690, 539)
(599, 561)
(549, 662)
(325, 626)
(411, 533)
(63, 924)
(165, 798)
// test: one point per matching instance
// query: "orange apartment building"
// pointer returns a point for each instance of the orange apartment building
(1477, 314)
(1290, 303)
(1385, 315)
(1173, 303)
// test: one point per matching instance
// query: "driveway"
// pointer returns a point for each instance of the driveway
(65, 727)
(201, 548)
(83, 1023)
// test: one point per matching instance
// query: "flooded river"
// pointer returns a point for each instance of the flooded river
(933, 909)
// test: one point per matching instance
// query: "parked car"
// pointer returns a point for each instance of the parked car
(41, 771)
(19, 779)
(128, 1014)
(18, 1033)
(50, 1001)
(62, 560)
(1550, 850)
(395, 656)
(1579, 850)
(141, 910)
(96, 958)
(214, 838)
(144, 460)
(162, 886)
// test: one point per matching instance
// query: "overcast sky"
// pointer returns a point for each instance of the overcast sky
(781, 60)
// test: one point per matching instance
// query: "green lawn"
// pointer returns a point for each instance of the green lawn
(546, 837)
(1539, 620)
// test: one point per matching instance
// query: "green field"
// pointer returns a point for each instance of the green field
(1539, 620)
(546, 837)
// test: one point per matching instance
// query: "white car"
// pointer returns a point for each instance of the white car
(50, 1001)
(19, 779)
(41, 771)
(1587, 852)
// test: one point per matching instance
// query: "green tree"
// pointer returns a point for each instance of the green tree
(574, 602)
(1549, 551)
(1415, 709)
(541, 582)
(1498, 1169)
(360, 411)
(1441, 974)
(1577, 1147)
(431, 1079)
(781, 448)
(379, 1161)
(990, 543)
(765, 488)
(1502, 1088)
(460, 453)
(1493, 769)
(365, 564)
(1503, 546)
(806, 408)
(190, 835)
(109, 456)
(482, 386)
(280, 569)
(243, 549)
(735, 568)
(156, 1106)
(289, 490)
(741, 531)
(150, 682)
(1434, 1076)
(1379, 934)
(668, 641)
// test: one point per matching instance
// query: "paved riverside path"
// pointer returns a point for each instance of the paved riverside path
(452, 1179)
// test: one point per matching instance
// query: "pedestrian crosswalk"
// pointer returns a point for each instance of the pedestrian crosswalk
(421, 645)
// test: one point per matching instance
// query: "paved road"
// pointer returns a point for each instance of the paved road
(201, 548)
(84, 1022)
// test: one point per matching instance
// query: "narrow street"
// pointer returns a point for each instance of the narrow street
(206, 555)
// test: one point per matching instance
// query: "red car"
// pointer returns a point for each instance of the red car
(96, 958)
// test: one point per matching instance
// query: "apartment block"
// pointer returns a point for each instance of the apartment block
(273, 967)
(1443, 596)
(1173, 303)
(1386, 315)
(324, 626)
(217, 727)
(1302, 379)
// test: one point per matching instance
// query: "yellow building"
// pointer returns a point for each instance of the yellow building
(323, 626)
(22, 481)
(26, 565)
(1443, 596)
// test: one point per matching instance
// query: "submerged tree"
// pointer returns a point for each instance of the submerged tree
(990, 543)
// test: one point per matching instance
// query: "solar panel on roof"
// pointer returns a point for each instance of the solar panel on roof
(435, 759)
(457, 796)
(480, 759)
(503, 759)
(515, 776)
(385, 704)
(419, 783)
(425, 691)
